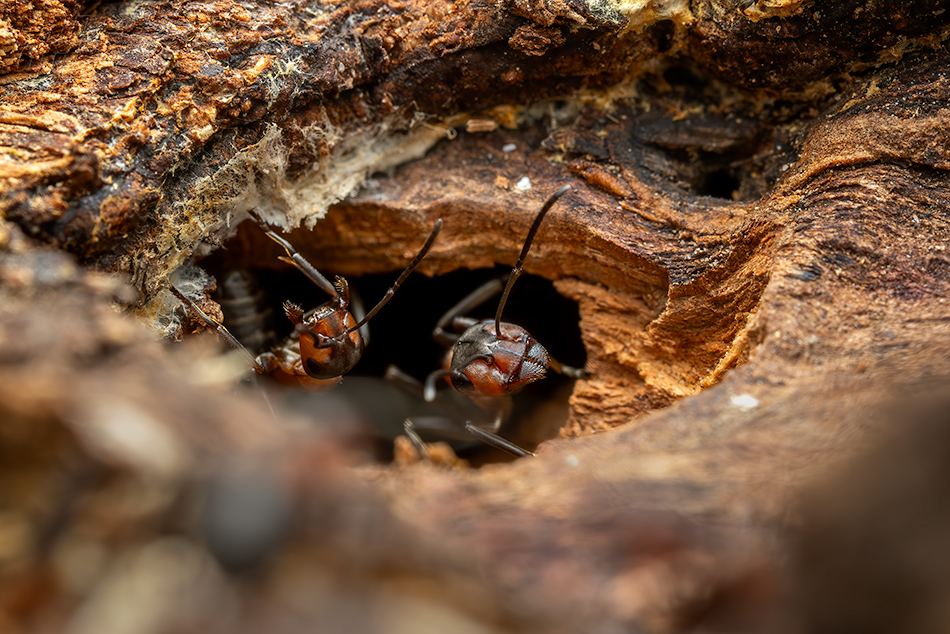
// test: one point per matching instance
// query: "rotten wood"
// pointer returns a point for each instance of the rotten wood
(757, 251)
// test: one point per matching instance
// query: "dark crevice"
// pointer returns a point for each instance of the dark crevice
(401, 334)
(717, 183)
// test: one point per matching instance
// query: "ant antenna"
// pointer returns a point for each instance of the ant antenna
(297, 260)
(517, 271)
(402, 278)
(322, 282)
(429, 391)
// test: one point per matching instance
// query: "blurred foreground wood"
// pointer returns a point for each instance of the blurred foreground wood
(757, 250)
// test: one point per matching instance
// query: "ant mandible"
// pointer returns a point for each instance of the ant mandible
(326, 342)
(492, 359)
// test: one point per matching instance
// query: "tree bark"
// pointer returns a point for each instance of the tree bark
(755, 237)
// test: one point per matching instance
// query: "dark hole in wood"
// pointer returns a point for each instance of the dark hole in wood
(718, 183)
(663, 31)
(683, 76)
(401, 334)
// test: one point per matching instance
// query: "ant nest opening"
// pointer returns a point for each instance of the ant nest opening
(253, 285)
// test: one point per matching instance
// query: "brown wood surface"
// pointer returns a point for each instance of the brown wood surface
(756, 240)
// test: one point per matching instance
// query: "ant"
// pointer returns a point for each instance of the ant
(490, 359)
(326, 342)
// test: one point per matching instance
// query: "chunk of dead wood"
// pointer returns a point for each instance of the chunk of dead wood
(757, 249)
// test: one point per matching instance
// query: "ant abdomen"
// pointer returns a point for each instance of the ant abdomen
(247, 310)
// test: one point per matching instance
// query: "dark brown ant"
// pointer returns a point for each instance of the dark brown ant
(491, 359)
(326, 342)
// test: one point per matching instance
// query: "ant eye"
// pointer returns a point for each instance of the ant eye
(462, 383)
(313, 367)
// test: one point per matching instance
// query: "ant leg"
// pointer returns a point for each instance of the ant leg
(220, 329)
(421, 446)
(490, 438)
(428, 453)
(402, 278)
(396, 375)
(263, 392)
(461, 324)
(496, 441)
(471, 301)
(438, 426)
(566, 370)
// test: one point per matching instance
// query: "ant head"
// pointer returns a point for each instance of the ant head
(328, 358)
(493, 358)
(485, 364)
(330, 342)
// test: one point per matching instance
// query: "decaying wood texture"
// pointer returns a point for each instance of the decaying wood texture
(755, 238)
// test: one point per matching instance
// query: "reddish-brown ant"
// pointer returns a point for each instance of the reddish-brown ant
(326, 342)
(492, 359)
